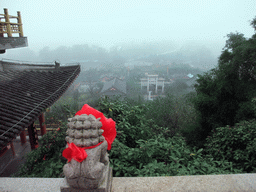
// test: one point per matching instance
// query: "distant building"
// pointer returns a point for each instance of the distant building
(152, 80)
(114, 87)
(86, 65)
(104, 79)
(144, 68)
(190, 75)
(191, 82)
(83, 88)
(153, 86)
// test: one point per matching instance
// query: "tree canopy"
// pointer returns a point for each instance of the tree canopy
(224, 94)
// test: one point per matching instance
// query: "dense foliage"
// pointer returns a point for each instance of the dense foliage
(46, 161)
(235, 144)
(208, 132)
(224, 94)
(141, 148)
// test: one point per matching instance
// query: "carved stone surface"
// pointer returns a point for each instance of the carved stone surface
(92, 172)
(105, 186)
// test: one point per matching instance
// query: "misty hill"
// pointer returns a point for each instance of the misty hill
(166, 53)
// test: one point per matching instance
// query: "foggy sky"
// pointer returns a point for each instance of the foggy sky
(111, 22)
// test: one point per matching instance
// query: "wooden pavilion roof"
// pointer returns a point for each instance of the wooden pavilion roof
(26, 90)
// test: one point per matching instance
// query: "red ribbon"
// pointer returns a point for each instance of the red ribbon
(76, 153)
(109, 127)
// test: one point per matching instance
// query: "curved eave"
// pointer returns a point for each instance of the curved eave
(24, 94)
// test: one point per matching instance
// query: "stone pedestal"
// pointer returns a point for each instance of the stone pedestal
(105, 186)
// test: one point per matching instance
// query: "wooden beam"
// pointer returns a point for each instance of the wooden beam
(33, 138)
(23, 137)
(20, 25)
(42, 124)
(4, 150)
(13, 150)
(8, 26)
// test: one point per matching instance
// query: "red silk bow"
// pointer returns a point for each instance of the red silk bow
(76, 153)
(109, 127)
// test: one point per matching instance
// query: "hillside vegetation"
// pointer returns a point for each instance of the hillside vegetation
(144, 148)
(210, 131)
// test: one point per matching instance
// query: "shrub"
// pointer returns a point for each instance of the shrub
(193, 134)
(235, 144)
(172, 113)
(46, 161)
(140, 149)
(61, 110)
(131, 123)
(161, 157)
(161, 111)
(153, 154)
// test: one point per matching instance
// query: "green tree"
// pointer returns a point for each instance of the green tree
(177, 88)
(224, 94)
(133, 90)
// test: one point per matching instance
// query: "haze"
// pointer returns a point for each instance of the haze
(162, 26)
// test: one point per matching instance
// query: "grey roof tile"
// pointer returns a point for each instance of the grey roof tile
(26, 90)
(118, 84)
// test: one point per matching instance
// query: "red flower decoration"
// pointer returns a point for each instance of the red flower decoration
(58, 129)
(44, 157)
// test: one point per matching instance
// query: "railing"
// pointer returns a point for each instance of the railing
(211, 183)
(9, 27)
(51, 127)
(224, 182)
(5, 149)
